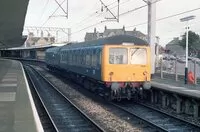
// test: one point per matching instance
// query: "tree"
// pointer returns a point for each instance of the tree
(193, 43)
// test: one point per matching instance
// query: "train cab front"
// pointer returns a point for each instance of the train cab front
(126, 69)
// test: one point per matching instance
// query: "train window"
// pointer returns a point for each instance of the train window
(66, 57)
(70, 59)
(100, 58)
(138, 56)
(83, 57)
(118, 56)
(87, 60)
(94, 58)
(75, 57)
(78, 58)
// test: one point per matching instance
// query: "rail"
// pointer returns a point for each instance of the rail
(65, 115)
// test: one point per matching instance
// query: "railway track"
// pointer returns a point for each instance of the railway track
(150, 119)
(65, 116)
(44, 118)
(160, 120)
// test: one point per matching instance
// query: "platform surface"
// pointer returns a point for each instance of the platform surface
(177, 87)
(17, 110)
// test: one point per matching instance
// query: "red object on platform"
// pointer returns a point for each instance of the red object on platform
(190, 78)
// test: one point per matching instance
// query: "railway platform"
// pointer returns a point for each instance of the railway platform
(17, 109)
(185, 98)
(178, 87)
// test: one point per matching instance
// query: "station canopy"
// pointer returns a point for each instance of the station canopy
(12, 17)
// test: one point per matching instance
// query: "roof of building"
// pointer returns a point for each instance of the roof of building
(37, 46)
(12, 14)
(90, 36)
(112, 32)
(174, 47)
(109, 32)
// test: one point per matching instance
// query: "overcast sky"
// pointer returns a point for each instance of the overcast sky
(82, 14)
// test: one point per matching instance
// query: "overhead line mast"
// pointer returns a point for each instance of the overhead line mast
(152, 31)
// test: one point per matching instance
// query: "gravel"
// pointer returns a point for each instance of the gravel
(107, 118)
(170, 111)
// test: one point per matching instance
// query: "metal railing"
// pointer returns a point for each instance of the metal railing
(174, 69)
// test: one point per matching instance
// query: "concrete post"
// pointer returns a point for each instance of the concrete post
(195, 75)
(168, 100)
(151, 31)
(187, 106)
(178, 104)
(161, 69)
(152, 96)
(176, 73)
(69, 34)
(164, 96)
(155, 97)
(195, 108)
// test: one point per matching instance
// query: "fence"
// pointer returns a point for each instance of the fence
(175, 69)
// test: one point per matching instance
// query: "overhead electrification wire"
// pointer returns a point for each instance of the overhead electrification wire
(52, 14)
(119, 15)
(94, 14)
(114, 7)
(3, 44)
(43, 10)
(90, 17)
(60, 5)
(135, 9)
(170, 16)
(87, 27)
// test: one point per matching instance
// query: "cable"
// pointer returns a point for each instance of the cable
(52, 14)
(90, 17)
(88, 27)
(138, 8)
(43, 10)
(178, 14)
(60, 5)
(120, 14)
(109, 10)
(94, 13)
(130, 10)
(166, 17)
(2, 43)
(114, 7)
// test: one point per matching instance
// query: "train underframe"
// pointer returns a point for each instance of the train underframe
(109, 90)
(123, 90)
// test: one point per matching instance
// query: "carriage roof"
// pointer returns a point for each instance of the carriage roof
(119, 39)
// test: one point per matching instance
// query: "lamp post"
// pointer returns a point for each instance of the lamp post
(186, 19)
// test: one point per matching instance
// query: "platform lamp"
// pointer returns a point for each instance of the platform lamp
(186, 19)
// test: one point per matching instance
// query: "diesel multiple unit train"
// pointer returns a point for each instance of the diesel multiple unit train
(115, 66)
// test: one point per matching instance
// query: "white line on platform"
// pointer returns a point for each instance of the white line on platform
(35, 113)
